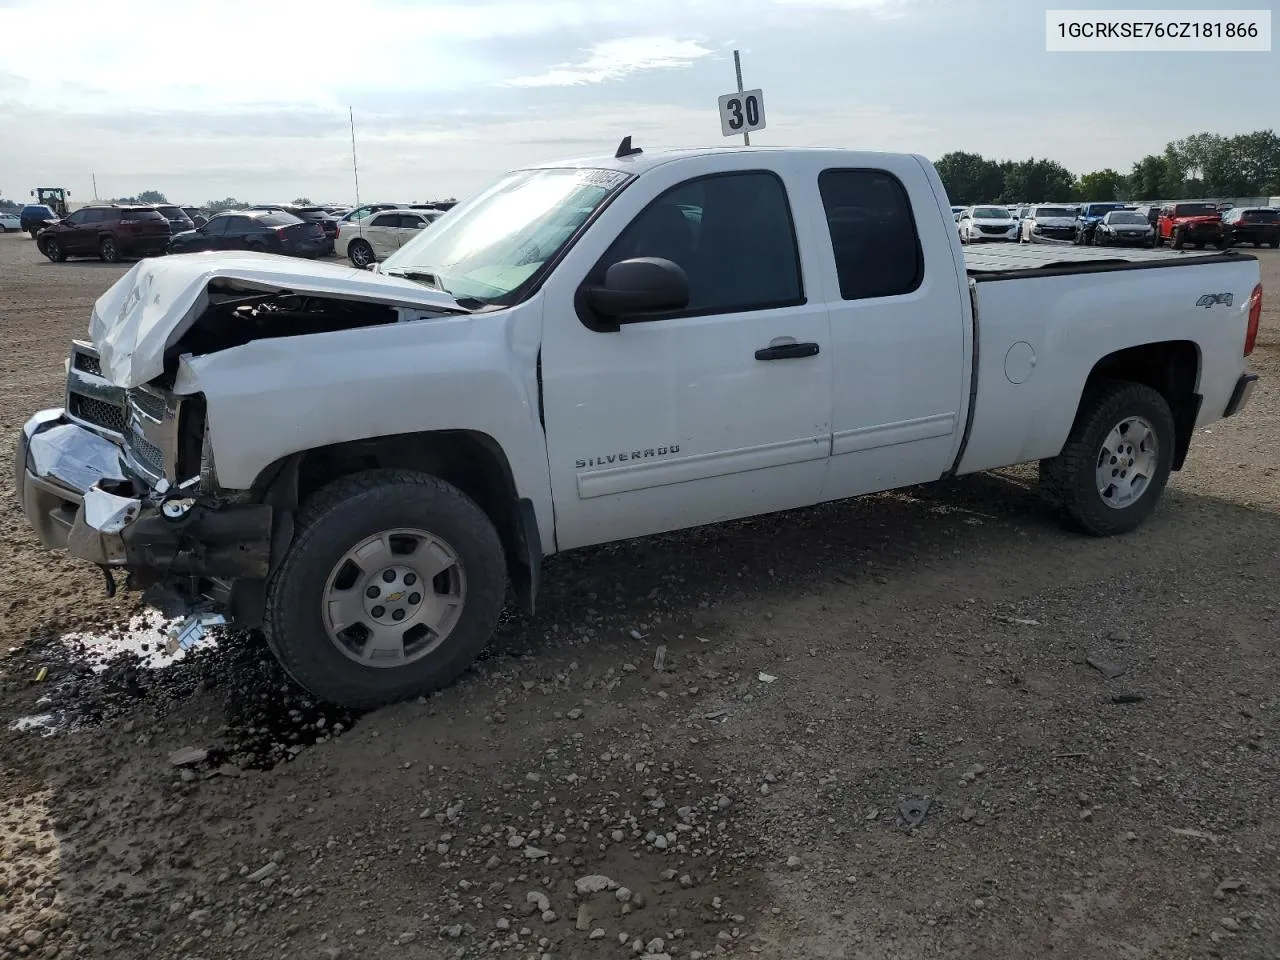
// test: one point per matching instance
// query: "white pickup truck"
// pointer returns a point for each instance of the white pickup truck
(360, 462)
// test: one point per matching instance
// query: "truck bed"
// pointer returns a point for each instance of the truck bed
(1001, 260)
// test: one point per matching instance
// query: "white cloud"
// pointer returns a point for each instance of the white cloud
(615, 59)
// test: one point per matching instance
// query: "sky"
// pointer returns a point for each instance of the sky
(249, 98)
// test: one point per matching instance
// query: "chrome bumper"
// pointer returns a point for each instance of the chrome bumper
(70, 482)
(78, 496)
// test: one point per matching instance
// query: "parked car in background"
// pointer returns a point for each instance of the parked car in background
(179, 220)
(264, 231)
(34, 217)
(9, 221)
(986, 223)
(376, 238)
(955, 213)
(1048, 224)
(110, 232)
(1197, 223)
(1089, 217)
(1150, 212)
(1256, 225)
(1124, 228)
(367, 210)
(312, 214)
(198, 219)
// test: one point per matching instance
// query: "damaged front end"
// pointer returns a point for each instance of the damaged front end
(121, 479)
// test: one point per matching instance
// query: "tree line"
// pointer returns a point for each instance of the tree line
(1201, 165)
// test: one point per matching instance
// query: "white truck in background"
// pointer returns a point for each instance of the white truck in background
(360, 462)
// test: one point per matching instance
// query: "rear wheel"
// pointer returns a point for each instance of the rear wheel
(109, 250)
(1116, 461)
(52, 248)
(360, 253)
(393, 584)
(1274, 243)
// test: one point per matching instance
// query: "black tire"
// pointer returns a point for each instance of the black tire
(1179, 239)
(33, 232)
(1070, 476)
(338, 518)
(1158, 240)
(1199, 244)
(52, 248)
(360, 253)
(1274, 244)
(1257, 244)
(109, 250)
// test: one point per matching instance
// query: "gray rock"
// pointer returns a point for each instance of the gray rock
(264, 871)
(793, 862)
(595, 883)
(515, 841)
(32, 937)
(533, 853)
(584, 918)
(539, 900)
(596, 934)
(575, 714)
(549, 916)
(623, 895)
(187, 756)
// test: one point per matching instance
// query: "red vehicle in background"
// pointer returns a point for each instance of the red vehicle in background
(1183, 223)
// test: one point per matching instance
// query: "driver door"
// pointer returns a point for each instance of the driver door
(718, 411)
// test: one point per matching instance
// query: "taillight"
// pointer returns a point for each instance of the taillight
(1255, 320)
(280, 232)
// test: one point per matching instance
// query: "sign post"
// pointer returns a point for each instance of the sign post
(741, 112)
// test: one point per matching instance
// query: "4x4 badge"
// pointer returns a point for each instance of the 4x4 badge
(1212, 299)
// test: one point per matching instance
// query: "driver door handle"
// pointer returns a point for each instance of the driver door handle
(787, 351)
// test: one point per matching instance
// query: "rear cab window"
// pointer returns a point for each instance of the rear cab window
(873, 233)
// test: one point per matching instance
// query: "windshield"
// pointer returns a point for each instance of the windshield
(487, 247)
(1260, 216)
(1047, 212)
(990, 213)
(1195, 210)
(1126, 217)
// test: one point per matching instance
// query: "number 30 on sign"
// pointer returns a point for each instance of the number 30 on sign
(742, 112)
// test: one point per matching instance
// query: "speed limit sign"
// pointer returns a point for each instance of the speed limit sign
(742, 112)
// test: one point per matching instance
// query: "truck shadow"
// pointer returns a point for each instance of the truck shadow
(996, 525)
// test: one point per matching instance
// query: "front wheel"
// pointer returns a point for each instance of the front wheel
(393, 584)
(360, 254)
(1273, 244)
(52, 249)
(1116, 461)
(1179, 239)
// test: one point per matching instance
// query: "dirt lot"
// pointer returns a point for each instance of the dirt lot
(567, 799)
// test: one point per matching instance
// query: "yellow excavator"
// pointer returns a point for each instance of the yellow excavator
(53, 197)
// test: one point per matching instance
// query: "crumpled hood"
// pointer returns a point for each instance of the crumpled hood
(157, 301)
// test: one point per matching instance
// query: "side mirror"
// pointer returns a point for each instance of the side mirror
(633, 288)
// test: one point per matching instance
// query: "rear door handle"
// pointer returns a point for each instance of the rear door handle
(787, 351)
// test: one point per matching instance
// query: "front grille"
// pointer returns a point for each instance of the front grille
(148, 455)
(97, 412)
(994, 229)
(147, 403)
(87, 362)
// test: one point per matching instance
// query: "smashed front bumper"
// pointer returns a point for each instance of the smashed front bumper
(78, 496)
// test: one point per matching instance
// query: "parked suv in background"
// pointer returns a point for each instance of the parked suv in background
(1150, 211)
(110, 232)
(34, 216)
(178, 218)
(1089, 217)
(1256, 225)
(1183, 223)
(197, 217)
(368, 241)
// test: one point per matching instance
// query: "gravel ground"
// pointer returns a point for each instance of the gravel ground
(712, 743)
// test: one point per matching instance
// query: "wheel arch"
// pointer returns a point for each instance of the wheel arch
(1172, 369)
(472, 461)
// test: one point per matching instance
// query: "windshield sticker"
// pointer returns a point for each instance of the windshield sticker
(602, 178)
